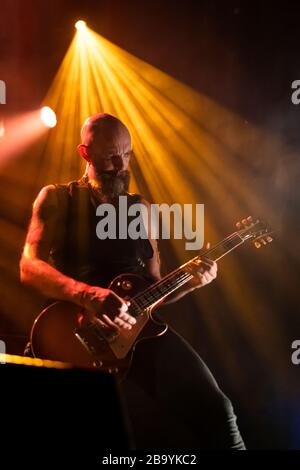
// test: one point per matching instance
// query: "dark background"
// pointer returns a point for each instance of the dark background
(245, 56)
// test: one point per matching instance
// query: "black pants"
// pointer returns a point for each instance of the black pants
(173, 400)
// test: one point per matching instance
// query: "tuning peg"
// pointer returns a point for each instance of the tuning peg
(238, 225)
(244, 221)
(263, 241)
(250, 219)
(257, 244)
(269, 239)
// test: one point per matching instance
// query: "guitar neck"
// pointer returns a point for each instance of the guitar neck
(176, 279)
(223, 248)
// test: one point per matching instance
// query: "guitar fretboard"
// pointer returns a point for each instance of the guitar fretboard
(180, 276)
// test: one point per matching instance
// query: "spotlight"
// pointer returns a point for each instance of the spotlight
(48, 116)
(80, 25)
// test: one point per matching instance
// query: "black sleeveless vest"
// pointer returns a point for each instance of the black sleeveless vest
(79, 253)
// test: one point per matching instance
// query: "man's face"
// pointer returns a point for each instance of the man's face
(110, 155)
(110, 159)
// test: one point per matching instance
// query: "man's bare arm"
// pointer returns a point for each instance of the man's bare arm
(34, 267)
(38, 273)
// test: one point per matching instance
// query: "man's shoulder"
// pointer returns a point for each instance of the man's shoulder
(53, 193)
(70, 185)
(45, 195)
(61, 187)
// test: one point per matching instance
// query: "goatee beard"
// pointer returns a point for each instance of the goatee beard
(114, 184)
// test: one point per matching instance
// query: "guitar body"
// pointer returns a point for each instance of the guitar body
(60, 333)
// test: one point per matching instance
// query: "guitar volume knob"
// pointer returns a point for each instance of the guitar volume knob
(126, 285)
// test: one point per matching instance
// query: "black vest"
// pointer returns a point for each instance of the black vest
(79, 253)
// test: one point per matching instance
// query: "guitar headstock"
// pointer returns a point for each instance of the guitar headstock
(255, 230)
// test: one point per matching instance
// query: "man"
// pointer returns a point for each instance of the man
(65, 260)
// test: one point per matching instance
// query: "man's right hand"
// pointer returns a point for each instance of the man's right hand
(107, 308)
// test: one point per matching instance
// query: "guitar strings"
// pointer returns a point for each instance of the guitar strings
(173, 274)
(144, 301)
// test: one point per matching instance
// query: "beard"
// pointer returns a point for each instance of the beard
(113, 183)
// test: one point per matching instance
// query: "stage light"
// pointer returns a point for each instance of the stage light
(80, 25)
(48, 116)
(21, 131)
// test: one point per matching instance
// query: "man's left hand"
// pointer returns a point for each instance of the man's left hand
(204, 273)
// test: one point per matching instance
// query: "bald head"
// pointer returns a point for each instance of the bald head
(104, 129)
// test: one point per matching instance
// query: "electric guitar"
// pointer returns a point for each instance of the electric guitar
(59, 332)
